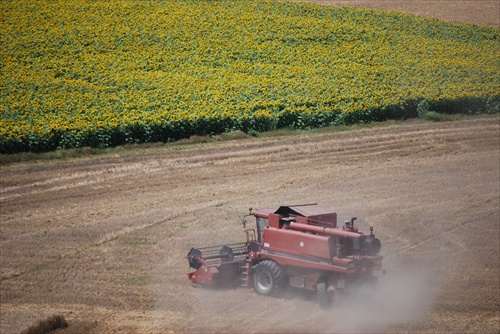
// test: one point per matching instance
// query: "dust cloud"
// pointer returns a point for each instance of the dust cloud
(396, 299)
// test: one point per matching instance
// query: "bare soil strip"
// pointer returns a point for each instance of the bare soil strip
(479, 12)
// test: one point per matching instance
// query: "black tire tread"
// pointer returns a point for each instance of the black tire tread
(323, 298)
(276, 272)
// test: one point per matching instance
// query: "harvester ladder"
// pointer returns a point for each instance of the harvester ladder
(245, 271)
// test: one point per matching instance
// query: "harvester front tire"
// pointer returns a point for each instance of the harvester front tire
(268, 277)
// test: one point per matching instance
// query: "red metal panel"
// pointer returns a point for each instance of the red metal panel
(274, 221)
(329, 220)
(304, 281)
(294, 242)
(204, 276)
(285, 261)
(263, 212)
(324, 230)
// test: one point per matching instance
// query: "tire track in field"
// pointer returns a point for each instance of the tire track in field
(360, 143)
(438, 235)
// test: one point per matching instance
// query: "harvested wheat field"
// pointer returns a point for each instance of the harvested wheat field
(101, 240)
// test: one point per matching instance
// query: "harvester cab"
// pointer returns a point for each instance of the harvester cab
(296, 245)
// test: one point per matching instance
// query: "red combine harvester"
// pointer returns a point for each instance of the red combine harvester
(296, 245)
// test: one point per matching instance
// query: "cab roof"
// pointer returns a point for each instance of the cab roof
(304, 210)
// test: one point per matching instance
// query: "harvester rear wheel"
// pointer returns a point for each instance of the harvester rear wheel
(268, 277)
(323, 296)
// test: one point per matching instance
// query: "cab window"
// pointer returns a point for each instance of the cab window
(261, 225)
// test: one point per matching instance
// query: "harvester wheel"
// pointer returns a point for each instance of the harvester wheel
(323, 296)
(268, 277)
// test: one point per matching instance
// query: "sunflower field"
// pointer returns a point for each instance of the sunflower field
(103, 73)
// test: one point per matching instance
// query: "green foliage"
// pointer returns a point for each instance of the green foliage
(493, 105)
(423, 108)
(101, 74)
(253, 133)
(433, 116)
